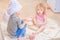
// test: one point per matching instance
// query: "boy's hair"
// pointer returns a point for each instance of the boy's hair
(41, 5)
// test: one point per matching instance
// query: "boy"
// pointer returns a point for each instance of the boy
(16, 27)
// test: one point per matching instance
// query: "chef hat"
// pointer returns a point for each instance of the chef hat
(14, 6)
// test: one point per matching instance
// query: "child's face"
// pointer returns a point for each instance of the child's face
(40, 10)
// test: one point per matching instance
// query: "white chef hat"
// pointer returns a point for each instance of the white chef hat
(14, 6)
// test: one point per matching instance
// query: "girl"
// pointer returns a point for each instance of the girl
(40, 17)
(39, 20)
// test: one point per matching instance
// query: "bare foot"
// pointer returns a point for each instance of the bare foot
(32, 37)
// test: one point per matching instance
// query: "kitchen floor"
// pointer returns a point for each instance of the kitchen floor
(50, 14)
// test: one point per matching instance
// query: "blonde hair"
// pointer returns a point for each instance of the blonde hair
(41, 5)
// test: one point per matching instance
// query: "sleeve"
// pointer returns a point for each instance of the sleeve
(21, 24)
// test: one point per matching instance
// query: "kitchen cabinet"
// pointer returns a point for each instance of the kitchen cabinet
(54, 4)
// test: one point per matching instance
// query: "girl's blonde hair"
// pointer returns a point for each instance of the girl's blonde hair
(41, 5)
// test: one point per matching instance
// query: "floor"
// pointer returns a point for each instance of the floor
(51, 29)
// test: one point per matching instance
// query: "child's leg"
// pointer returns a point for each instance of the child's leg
(20, 34)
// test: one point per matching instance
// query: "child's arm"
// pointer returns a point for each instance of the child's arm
(20, 23)
(28, 19)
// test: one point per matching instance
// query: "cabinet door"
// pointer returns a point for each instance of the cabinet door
(57, 6)
(54, 4)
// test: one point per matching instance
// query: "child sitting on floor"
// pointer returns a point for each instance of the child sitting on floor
(16, 27)
(39, 20)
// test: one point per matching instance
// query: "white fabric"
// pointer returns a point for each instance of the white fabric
(14, 6)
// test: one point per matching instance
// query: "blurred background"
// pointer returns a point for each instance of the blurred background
(29, 9)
